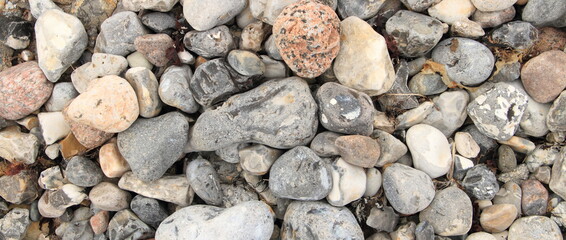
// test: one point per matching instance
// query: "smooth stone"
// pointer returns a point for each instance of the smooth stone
(99, 222)
(301, 165)
(542, 156)
(494, 18)
(186, 57)
(391, 148)
(145, 85)
(62, 94)
(18, 147)
(450, 213)
(517, 34)
(414, 116)
(358, 150)
(449, 112)
(543, 76)
(246, 63)
(37, 7)
(424, 231)
(467, 62)
(91, 14)
(379, 236)
(534, 227)
(467, 28)
(466, 145)
(216, 42)
(373, 182)
(480, 182)
(372, 74)
(480, 236)
(158, 21)
(556, 114)
(19, 188)
(415, 34)
(348, 183)
(155, 48)
(174, 189)
(359, 8)
(519, 144)
(204, 180)
(248, 220)
(55, 57)
(118, 32)
(109, 92)
(149, 210)
(137, 59)
(79, 230)
(482, 204)
(544, 13)
(418, 5)
(427, 84)
(295, 120)
(498, 217)
(15, 224)
(126, 225)
(202, 17)
(543, 174)
(518, 175)
(274, 69)
(408, 190)
(383, 122)
(497, 113)
(108, 197)
(461, 166)
(83, 172)
(48, 210)
(318, 220)
(323, 144)
(344, 110)
(506, 71)
(507, 160)
(493, 5)
(87, 136)
(268, 10)
(416, 65)
(151, 146)
(230, 154)
(450, 11)
(271, 48)
(245, 17)
(384, 219)
(252, 36)
(23, 90)
(534, 199)
(111, 161)
(101, 65)
(429, 149)
(156, 5)
(51, 178)
(257, 159)
(559, 214)
(53, 126)
(174, 89)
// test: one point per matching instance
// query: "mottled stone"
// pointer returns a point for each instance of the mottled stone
(99, 222)
(544, 13)
(534, 227)
(493, 5)
(415, 34)
(509, 193)
(257, 159)
(154, 47)
(149, 210)
(92, 13)
(358, 150)
(126, 225)
(16, 32)
(51, 178)
(450, 11)
(204, 180)
(399, 96)
(118, 32)
(506, 71)
(519, 174)
(408, 190)
(23, 90)
(418, 5)
(450, 212)
(174, 89)
(101, 65)
(556, 119)
(18, 147)
(348, 183)
(158, 21)
(427, 84)
(216, 42)
(83, 172)
(544, 77)
(62, 94)
(19, 188)
(252, 36)
(107, 196)
(549, 38)
(391, 148)
(87, 136)
(145, 85)
(542, 155)
(517, 34)
(429, 149)
(246, 63)
(449, 112)
(202, 16)
(467, 28)
(534, 199)
(174, 189)
(384, 219)
(506, 161)
(15, 224)
(480, 182)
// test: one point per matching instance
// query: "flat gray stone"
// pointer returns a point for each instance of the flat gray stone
(408, 190)
(149, 210)
(204, 181)
(118, 32)
(83, 172)
(174, 89)
(450, 213)
(215, 42)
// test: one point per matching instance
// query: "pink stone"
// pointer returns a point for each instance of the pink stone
(154, 48)
(99, 222)
(87, 136)
(544, 76)
(23, 89)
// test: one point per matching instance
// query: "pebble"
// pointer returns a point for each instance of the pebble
(151, 146)
(494, 18)
(543, 174)
(101, 65)
(319, 220)
(252, 36)
(137, 59)
(174, 189)
(16, 33)
(99, 222)
(246, 63)
(53, 126)
(466, 145)
(344, 110)
(156, 5)
(236, 194)
(449, 112)
(497, 113)
(6, 54)
(268, 10)
(534, 199)
(507, 160)
(348, 183)
(51, 178)
(149, 210)
(429, 149)
(559, 214)
(450, 11)
(83, 172)
(145, 84)
(415, 34)
(427, 84)
(109, 92)
(87, 136)
(493, 5)
(418, 5)
(159, 22)
(556, 114)
(62, 94)
(480, 182)
(498, 217)
(519, 144)
(118, 32)
(295, 41)
(467, 62)
(216, 42)
(384, 219)
(15, 224)
(230, 154)
(108, 197)
(46, 209)
(506, 71)
(543, 76)
(414, 116)
(295, 124)
(519, 174)
(357, 8)
(202, 17)
(18, 147)
(272, 50)
(534, 227)
(126, 225)
(542, 156)
(255, 220)
(517, 34)
(372, 74)
(358, 150)
(535, 115)
(155, 48)
(323, 144)
(424, 231)
(481, 236)
(23, 90)
(37, 7)
(111, 161)
(261, 187)
(204, 180)
(467, 28)
(174, 89)
(408, 190)
(245, 17)
(450, 213)
(373, 182)
(19, 188)
(391, 148)
(257, 159)
(68, 195)
(301, 165)
(399, 96)
(544, 13)
(55, 57)
(461, 166)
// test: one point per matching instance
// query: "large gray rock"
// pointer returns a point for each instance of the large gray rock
(204, 15)
(300, 174)
(248, 220)
(415, 34)
(174, 89)
(279, 113)
(151, 146)
(534, 227)
(118, 32)
(204, 181)
(408, 190)
(216, 42)
(450, 213)
(319, 220)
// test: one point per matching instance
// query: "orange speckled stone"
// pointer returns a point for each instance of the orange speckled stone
(307, 34)
(23, 89)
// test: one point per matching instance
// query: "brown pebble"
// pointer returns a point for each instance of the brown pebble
(534, 199)
(498, 217)
(549, 38)
(71, 147)
(358, 150)
(544, 76)
(154, 47)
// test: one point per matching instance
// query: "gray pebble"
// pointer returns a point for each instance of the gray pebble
(323, 144)
(204, 181)
(480, 182)
(408, 190)
(34, 215)
(487, 145)
(118, 32)
(424, 231)
(418, 5)
(542, 156)
(205, 15)
(384, 219)
(415, 34)
(556, 119)
(449, 112)
(174, 89)
(149, 210)
(544, 12)
(517, 34)
(391, 148)
(236, 194)
(427, 84)
(399, 95)
(62, 93)
(506, 161)
(83, 172)
(518, 175)
(246, 63)
(558, 177)
(78, 230)
(534, 227)
(215, 42)
(461, 166)
(126, 225)
(359, 8)
(507, 72)
(274, 69)
(450, 213)
(158, 21)
(257, 159)
(230, 154)
(271, 48)
(15, 224)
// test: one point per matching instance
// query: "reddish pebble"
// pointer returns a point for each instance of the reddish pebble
(549, 38)
(534, 199)
(155, 48)
(307, 34)
(544, 76)
(358, 150)
(23, 89)
(99, 222)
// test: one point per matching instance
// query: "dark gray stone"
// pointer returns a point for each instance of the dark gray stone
(507, 72)
(174, 89)
(360, 8)
(158, 21)
(279, 113)
(415, 34)
(427, 84)
(126, 225)
(323, 144)
(461, 166)
(518, 35)
(151, 146)
(14, 224)
(204, 181)
(450, 213)
(149, 210)
(466, 61)
(78, 230)
(345, 110)
(408, 190)
(424, 231)
(319, 220)
(83, 172)
(300, 174)
(246, 63)
(216, 42)
(480, 182)
(384, 219)
(34, 215)
(399, 96)
(118, 32)
(556, 118)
